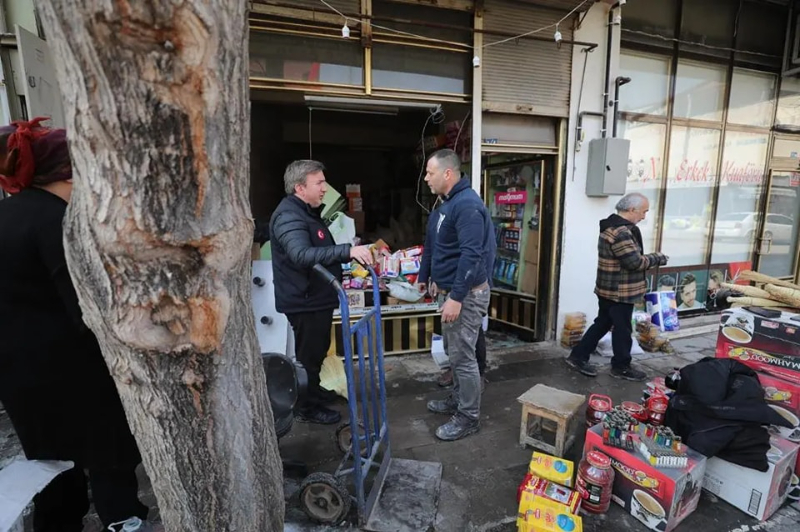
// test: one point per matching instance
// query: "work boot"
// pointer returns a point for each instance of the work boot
(443, 406)
(446, 378)
(134, 524)
(328, 396)
(586, 368)
(629, 373)
(459, 426)
(318, 414)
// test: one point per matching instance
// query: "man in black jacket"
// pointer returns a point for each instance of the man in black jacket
(300, 239)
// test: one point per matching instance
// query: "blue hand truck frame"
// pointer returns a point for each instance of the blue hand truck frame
(370, 431)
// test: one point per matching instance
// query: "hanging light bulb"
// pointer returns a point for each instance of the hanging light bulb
(557, 36)
(345, 31)
(476, 61)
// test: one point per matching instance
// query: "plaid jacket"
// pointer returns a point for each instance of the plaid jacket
(621, 266)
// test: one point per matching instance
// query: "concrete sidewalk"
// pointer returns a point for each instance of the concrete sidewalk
(482, 472)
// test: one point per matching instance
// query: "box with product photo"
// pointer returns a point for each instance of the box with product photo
(777, 333)
(780, 391)
(660, 498)
(755, 493)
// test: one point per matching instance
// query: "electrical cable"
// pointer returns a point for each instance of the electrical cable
(587, 51)
(310, 144)
(463, 122)
(436, 116)
(699, 44)
(408, 34)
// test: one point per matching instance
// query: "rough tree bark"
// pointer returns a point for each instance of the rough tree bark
(158, 235)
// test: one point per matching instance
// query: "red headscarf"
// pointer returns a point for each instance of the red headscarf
(32, 155)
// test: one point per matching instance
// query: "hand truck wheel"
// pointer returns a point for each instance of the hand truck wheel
(344, 438)
(324, 498)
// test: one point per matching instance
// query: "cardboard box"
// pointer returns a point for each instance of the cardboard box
(359, 218)
(755, 493)
(780, 392)
(660, 498)
(776, 336)
(542, 491)
(551, 468)
(352, 190)
(355, 205)
(542, 517)
(785, 367)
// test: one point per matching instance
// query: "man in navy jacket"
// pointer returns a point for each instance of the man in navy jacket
(462, 253)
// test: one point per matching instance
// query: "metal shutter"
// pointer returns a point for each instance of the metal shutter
(525, 76)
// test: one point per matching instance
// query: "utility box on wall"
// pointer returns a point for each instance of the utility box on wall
(607, 172)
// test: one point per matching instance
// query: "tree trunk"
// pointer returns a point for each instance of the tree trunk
(158, 237)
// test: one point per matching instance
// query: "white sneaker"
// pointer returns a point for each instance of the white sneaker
(134, 524)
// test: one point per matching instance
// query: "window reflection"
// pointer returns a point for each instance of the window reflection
(645, 169)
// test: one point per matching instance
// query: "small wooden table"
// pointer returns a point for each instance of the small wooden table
(546, 409)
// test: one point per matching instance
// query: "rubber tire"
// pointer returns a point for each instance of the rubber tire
(336, 491)
(343, 438)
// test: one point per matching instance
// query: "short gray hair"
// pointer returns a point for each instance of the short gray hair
(297, 172)
(631, 202)
(447, 159)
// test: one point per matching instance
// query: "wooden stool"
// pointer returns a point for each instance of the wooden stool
(553, 411)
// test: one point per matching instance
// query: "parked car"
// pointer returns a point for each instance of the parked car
(743, 225)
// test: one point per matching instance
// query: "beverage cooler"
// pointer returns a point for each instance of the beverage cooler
(514, 199)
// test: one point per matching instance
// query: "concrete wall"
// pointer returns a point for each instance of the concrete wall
(581, 213)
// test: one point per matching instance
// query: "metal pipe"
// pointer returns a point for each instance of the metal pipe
(579, 129)
(607, 82)
(620, 81)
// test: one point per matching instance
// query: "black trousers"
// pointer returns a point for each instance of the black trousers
(480, 351)
(62, 505)
(611, 314)
(312, 336)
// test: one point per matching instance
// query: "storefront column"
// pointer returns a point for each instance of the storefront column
(477, 101)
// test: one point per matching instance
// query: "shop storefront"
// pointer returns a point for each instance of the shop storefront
(371, 87)
(707, 148)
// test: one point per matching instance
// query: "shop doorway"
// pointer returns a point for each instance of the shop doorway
(778, 238)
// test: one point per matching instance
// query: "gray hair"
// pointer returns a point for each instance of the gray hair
(631, 202)
(297, 172)
(447, 159)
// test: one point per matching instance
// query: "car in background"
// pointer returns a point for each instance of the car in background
(744, 225)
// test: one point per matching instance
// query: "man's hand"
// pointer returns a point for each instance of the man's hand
(450, 311)
(422, 287)
(664, 259)
(362, 254)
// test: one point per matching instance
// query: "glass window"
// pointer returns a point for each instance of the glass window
(446, 17)
(654, 18)
(699, 91)
(289, 57)
(710, 23)
(690, 184)
(420, 69)
(752, 98)
(649, 87)
(740, 189)
(645, 169)
(789, 103)
(782, 226)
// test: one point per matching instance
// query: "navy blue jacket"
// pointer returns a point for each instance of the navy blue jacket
(460, 244)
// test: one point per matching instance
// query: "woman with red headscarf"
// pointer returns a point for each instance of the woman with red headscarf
(54, 382)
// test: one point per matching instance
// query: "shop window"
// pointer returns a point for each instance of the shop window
(645, 169)
(752, 98)
(788, 114)
(690, 184)
(753, 34)
(741, 185)
(420, 69)
(649, 87)
(383, 9)
(782, 226)
(699, 91)
(710, 24)
(294, 58)
(640, 18)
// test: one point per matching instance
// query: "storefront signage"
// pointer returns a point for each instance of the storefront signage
(692, 172)
(510, 198)
(794, 180)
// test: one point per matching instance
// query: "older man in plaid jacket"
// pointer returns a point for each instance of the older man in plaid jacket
(620, 284)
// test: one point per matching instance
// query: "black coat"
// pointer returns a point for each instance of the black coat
(719, 410)
(54, 382)
(299, 240)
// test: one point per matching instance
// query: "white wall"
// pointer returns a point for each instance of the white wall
(581, 213)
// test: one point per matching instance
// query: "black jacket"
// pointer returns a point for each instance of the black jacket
(300, 239)
(54, 382)
(719, 410)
